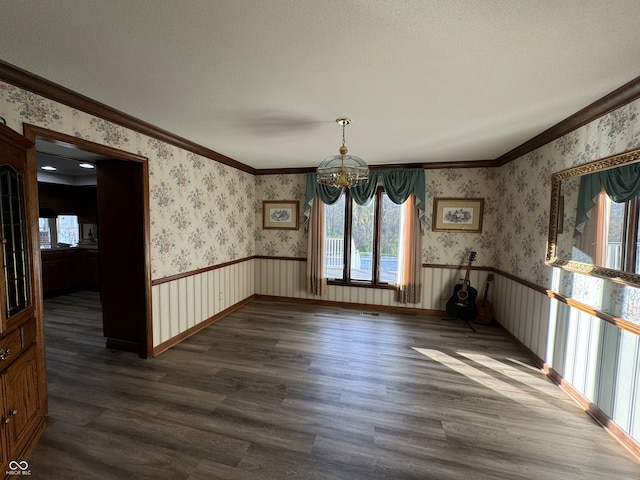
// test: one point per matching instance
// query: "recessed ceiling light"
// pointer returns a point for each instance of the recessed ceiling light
(86, 165)
(48, 167)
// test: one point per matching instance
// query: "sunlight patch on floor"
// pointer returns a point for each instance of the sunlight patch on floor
(512, 392)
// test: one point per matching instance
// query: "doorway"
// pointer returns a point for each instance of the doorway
(123, 226)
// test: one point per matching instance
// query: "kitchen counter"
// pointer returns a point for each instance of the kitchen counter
(81, 246)
(68, 269)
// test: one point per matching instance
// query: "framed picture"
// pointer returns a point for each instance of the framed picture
(280, 214)
(457, 214)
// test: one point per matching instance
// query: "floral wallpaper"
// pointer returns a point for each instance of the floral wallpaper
(280, 243)
(205, 213)
(453, 248)
(525, 192)
(201, 211)
(438, 248)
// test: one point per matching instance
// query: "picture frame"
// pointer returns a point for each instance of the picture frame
(280, 214)
(458, 215)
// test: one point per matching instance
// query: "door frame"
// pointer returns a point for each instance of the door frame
(33, 133)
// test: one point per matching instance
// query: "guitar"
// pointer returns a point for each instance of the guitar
(462, 303)
(485, 309)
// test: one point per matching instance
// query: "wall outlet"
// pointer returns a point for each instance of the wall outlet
(221, 295)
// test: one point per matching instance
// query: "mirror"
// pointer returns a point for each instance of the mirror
(594, 218)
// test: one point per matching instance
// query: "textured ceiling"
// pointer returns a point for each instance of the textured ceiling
(262, 82)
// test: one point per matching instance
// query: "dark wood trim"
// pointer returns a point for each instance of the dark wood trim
(355, 306)
(285, 171)
(593, 410)
(32, 132)
(617, 321)
(631, 234)
(196, 328)
(388, 166)
(619, 97)
(31, 204)
(191, 273)
(123, 345)
(23, 79)
(293, 259)
(78, 143)
(456, 267)
(456, 164)
(354, 283)
(521, 281)
(146, 349)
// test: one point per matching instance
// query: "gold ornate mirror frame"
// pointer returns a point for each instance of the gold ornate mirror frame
(555, 212)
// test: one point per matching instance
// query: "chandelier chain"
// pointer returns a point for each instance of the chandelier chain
(343, 125)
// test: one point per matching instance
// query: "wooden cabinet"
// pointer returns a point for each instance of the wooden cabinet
(69, 200)
(86, 204)
(20, 393)
(90, 270)
(68, 270)
(22, 369)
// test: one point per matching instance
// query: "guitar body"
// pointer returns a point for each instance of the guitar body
(462, 303)
(464, 309)
(484, 307)
(485, 312)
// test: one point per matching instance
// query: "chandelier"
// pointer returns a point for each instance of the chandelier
(342, 170)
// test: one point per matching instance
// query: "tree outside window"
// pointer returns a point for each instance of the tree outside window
(362, 241)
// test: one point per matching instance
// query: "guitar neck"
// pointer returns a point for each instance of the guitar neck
(466, 278)
(472, 257)
(486, 289)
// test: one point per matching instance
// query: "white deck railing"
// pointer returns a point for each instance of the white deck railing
(334, 253)
(614, 256)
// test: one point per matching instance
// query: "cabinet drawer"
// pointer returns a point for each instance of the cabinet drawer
(10, 347)
(14, 343)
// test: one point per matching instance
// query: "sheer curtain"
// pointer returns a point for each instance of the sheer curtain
(405, 187)
(316, 281)
(410, 261)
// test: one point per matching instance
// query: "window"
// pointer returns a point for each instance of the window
(68, 229)
(362, 241)
(622, 240)
(64, 229)
(46, 232)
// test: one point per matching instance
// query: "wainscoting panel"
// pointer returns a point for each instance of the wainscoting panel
(184, 303)
(287, 278)
(598, 360)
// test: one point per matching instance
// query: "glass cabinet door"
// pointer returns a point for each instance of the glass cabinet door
(14, 241)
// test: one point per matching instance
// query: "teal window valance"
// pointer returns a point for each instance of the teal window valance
(398, 185)
(621, 184)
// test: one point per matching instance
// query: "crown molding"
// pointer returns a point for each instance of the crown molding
(41, 86)
(621, 96)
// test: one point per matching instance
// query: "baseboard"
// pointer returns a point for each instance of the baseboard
(355, 306)
(591, 409)
(123, 345)
(158, 349)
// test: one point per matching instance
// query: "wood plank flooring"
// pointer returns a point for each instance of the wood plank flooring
(293, 391)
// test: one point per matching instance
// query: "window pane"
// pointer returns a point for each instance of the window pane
(362, 223)
(637, 269)
(68, 229)
(389, 240)
(334, 240)
(45, 232)
(615, 228)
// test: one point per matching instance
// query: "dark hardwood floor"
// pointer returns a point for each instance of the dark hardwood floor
(294, 391)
